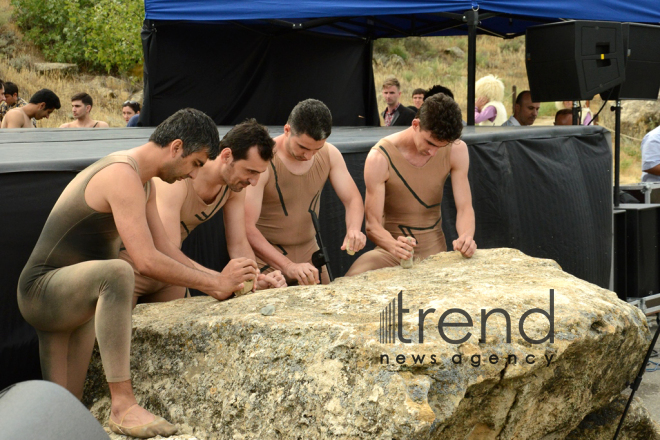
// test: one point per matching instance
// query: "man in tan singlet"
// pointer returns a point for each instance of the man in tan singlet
(74, 288)
(277, 209)
(245, 152)
(41, 105)
(81, 107)
(405, 176)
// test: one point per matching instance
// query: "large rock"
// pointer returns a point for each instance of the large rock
(316, 368)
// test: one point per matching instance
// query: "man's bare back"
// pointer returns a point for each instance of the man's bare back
(16, 118)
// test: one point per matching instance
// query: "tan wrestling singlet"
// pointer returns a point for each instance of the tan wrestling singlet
(412, 206)
(285, 220)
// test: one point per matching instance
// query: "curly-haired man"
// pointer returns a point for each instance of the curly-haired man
(405, 175)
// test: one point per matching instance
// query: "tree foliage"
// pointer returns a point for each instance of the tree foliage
(101, 35)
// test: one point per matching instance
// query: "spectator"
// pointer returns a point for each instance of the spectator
(438, 89)
(41, 105)
(564, 117)
(81, 106)
(489, 110)
(525, 111)
(587, 115)
(651, 156)
(395, 114)
(130, 109)
(418, 99)
(11, 100)
(441, 89)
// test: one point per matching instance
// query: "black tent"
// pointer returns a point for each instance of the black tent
(253, 58)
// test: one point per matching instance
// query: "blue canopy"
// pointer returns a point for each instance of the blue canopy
(399, 18)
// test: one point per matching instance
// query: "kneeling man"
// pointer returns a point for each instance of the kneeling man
(405, 175)
(74, 288)
(279, 224)
(245, 152)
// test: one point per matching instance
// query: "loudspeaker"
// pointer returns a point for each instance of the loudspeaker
(642, 250)
(642, 61)
(574, 60)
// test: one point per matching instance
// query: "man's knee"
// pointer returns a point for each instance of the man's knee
(119, 276)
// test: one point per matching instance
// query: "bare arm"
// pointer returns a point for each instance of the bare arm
(169, 200)
(465, 223)
(655, 170)
(234, 219)
(102, 124)
(237, 242)
(118, 189)
(376, 173)
(305, 273)
(348, 193)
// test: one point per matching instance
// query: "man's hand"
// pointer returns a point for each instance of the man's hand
(465, 245)
(355, 240)
(271, 280)
(305, 273)
(232, 277)
(402, 247)
(483, 100)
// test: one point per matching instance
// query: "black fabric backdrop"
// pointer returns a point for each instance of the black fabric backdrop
(245, 73)
(545, 191)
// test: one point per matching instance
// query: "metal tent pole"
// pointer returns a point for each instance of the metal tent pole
(617, 149)
(472, 19)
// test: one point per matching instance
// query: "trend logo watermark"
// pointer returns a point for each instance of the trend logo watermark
(391, 330)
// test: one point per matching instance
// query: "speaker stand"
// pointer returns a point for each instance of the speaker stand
(577, 110)
(617, 149)
(638, 380)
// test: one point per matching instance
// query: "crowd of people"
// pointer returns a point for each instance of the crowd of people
(489, 109)
(15, 112)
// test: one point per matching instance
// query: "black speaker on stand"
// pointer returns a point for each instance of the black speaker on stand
(573, 60)
(642, 64)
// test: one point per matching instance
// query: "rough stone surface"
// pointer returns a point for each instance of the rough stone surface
(602, 424)
(315, 369)
(64, 68)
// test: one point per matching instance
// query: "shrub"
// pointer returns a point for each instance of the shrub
(99, 35)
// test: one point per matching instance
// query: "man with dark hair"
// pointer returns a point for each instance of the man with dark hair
(438, 89)
(12, 101)
(74, 287)
(245, 152)
(277, 209)
(81, 107)
(418, 99)
(524, 111)
(564, 117)
(405, 176)
(41, 105)
(395, 114)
